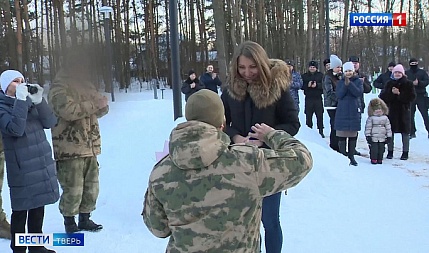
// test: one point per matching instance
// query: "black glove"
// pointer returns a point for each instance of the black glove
(369, 139)
(388, 140)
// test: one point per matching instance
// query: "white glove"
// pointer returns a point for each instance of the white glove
(22, 92)
(36, 98)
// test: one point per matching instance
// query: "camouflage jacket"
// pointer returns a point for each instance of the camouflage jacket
(77, 133)
(207, 195)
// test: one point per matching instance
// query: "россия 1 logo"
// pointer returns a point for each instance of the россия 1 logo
(378, 19)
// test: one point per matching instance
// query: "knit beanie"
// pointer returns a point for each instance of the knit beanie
(348, 66)
(290, 62)
(399, 68)
(413, 60)
(206, 106)
(191, 72)
(335, 61)
(326, 61)
(7, 77)
(354, 58)
(314, 64)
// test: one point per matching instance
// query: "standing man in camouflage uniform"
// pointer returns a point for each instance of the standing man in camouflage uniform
(4, 224)
(76, 139)
(207, 195)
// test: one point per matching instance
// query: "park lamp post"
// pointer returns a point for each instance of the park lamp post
(107, 10)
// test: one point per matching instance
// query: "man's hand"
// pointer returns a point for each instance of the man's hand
(214, 75)
(192, 85)
(260, 130)
(416, 82)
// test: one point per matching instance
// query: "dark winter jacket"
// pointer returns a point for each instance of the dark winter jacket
(30, 167)
(348, 114)
(248, 104)
(186, 87)
(399, 105)
(382, 79)
(209, 82)
(310, 92)
(329, 88)
(295, 86)
(422, 77)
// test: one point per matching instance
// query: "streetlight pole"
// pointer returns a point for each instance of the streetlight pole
(107, 10)
(175, 60)
(327, 28)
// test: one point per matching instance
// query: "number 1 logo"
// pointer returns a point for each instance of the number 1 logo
(399, 19)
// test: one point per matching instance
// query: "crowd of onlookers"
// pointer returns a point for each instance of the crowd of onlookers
(342, 96)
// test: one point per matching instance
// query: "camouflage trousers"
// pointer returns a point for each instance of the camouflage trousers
(78, 178)
(2, 213)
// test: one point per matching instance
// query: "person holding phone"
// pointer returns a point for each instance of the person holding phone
(31, 173)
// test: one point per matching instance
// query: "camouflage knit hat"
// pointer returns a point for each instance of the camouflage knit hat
(206, 106)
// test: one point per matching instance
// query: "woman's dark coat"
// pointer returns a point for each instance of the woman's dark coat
(31, 172)
(348, 113)
(248, 104)
(399, 105)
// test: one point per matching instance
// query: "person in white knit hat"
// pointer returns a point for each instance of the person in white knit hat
(348, 114)
(31, 174)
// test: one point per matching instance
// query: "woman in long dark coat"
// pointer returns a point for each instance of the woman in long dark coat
(31, 173)
(348, 115)
(398, 95)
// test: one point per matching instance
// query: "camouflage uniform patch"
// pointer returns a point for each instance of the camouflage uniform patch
(79, 181)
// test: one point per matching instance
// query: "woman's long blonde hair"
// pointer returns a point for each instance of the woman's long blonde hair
(257, 53)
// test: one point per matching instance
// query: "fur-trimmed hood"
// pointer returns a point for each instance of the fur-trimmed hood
(375, 104)
(263, 95)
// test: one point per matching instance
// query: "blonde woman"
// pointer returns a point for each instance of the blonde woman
(258, 91)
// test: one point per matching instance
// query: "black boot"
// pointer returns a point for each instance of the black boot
(352, 160)
(70, 224)
(352, 148)
(85, 223)
(404, 155)
(321, 133)
(389, 154)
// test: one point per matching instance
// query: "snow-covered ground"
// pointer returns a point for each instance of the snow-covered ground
(337, 208)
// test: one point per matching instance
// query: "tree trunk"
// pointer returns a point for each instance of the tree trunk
(219, 18)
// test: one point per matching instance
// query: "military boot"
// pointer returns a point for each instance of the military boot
(85, 223)
(5, 230)
(70, 224)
